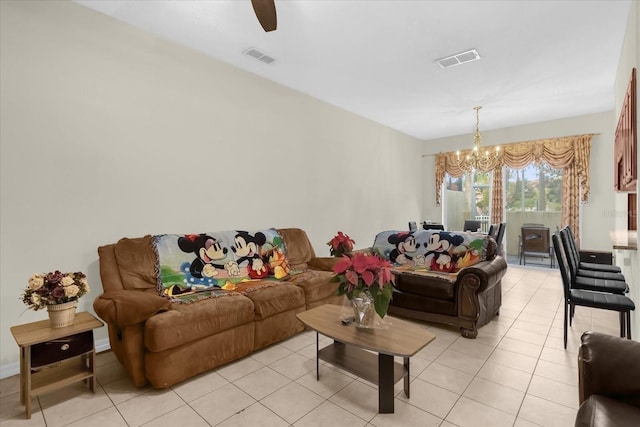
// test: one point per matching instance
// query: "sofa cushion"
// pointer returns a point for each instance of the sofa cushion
(184, 323)
(271, 300)
(197, 262)
(317, 285)
(432, 250)
(430, 287)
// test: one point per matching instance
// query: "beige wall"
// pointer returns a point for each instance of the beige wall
(109, 132)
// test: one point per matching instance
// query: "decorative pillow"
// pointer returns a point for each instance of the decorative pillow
(433, 250)
(218, 260)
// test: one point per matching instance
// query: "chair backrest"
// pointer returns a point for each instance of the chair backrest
(564, 271)
(572, 245)
(432, 226)
(532, 224)
(571, 262)
(413, 226)
(493, 228)
(572, 239)
(500, 234)
(471, 225)
(536, 239)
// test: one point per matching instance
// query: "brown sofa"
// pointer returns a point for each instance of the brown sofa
(609, 381)
(163, 343)
(468, 301)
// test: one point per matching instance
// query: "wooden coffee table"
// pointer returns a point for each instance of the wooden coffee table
(349, 349)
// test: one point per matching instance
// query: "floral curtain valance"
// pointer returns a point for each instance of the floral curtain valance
(560, 153)
(571, 154)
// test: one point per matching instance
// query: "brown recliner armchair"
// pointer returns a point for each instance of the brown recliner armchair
(609, 381)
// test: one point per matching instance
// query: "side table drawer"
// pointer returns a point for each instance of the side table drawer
(60, 349)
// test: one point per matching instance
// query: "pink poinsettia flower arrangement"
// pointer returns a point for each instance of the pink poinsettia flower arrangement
(365, 273)
(340, 244)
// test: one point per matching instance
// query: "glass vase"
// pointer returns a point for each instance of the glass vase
(363, 310)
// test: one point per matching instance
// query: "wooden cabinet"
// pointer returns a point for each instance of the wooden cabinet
(626, 143)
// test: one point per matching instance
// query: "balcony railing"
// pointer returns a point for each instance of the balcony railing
(484, 222)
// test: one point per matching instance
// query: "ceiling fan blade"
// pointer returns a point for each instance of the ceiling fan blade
(266, 13)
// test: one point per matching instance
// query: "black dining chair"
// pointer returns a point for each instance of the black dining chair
(502, 228)
(585, 298)
(432, 226)
(526, 224)
(471, 225)
(573, 263)
(587, 265)
(590, 283)
(413, 226)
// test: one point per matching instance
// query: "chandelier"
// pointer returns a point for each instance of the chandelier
(478, 158)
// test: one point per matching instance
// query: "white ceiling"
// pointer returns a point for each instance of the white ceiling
(541, 60)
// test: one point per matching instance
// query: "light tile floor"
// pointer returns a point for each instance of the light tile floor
(516, 373)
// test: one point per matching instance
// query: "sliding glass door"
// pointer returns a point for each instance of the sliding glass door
(533, 195)
(467, 197)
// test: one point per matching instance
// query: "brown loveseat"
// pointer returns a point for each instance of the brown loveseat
(468, 300)
(163, 342)
(609, 381)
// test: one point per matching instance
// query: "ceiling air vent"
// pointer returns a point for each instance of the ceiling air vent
(258, 56)
(459, 58)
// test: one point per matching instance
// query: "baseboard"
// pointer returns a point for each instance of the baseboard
(102, 345)
(11, 369)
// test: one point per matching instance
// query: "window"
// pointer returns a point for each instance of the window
(533, 189)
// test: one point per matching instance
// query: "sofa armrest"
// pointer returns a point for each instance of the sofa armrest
(487, 273)
(609, 366)
(125, 308)
(474, 280)
(327, 263)
(323, 263)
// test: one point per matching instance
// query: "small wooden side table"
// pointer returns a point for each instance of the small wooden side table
(51, 358)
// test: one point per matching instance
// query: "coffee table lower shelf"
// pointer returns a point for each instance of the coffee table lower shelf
(379, 369)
